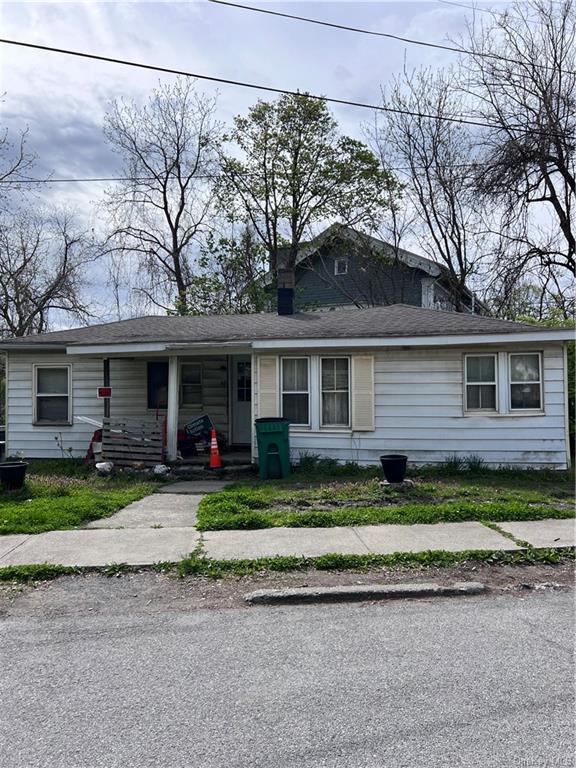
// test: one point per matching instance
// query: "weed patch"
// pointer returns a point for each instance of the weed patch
(26, 573)
(57, 503)
(447, 494)
(225, 515)
(197, 565)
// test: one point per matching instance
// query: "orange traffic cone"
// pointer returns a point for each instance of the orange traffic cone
(215, 461)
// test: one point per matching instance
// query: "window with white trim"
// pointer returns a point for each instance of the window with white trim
(191, 384)
(335, 391)
(52, 394)
(481, 387)
(525, 381)
(341, 266)
(295, 381)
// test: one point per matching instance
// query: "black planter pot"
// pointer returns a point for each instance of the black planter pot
(394, 466)
(12, 474)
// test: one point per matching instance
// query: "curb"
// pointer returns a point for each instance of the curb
(362, 592)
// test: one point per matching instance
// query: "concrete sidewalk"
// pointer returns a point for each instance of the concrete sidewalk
(145, 545)
(384, 539)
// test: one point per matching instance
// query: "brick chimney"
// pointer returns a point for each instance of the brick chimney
(285, 291)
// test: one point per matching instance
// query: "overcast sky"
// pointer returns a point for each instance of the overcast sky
(62, 99)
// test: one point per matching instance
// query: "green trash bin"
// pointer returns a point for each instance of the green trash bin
(273, 437)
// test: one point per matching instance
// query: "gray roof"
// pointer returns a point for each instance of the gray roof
(396, 320)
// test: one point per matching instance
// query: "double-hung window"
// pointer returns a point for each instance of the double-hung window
(296, 390)
(52, 394)
(335, 377)
(481, 383)
(525, 382)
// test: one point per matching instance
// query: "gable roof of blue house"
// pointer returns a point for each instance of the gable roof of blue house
(376, 273)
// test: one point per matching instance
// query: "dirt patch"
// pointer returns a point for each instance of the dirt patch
(149, 592)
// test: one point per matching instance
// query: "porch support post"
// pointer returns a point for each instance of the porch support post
(172, 409)
(106, 383)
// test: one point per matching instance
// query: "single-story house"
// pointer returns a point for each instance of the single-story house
(354, 385)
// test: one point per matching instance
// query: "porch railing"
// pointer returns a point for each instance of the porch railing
(129, 442)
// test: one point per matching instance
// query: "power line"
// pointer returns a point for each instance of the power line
(470, 7)
(254, 86)
(202, 177)
(491, 11)
(97, 178)
(388, 35)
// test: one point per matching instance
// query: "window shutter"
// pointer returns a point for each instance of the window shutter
(363, 393)
(268, 387)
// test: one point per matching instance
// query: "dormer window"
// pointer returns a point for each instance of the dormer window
(341, 266)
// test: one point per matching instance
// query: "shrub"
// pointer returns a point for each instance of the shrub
(452, 464)
(475, 463)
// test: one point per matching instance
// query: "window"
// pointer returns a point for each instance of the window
(525, 382)
(295, 390)
(52, 400)
(335, 391)
(243, 381)
(341, 266)
(481, 382)
(157, 380)
(191, 384)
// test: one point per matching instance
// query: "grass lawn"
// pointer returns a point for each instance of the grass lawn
(438, 495)
(65, 494)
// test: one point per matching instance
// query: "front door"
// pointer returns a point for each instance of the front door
(241, 401)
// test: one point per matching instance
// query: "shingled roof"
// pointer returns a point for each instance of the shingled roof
(394, 321)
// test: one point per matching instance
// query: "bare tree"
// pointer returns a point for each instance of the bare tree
(42, 271)
(436, 154)
(15, 160)
(159, 212)
(526, 89)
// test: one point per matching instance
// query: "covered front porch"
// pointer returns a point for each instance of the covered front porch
(172, 401)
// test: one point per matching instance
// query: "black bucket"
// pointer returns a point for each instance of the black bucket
(394, 466)
(12, 474)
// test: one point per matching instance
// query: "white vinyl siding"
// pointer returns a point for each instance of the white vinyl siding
(419, 411)
(129, 400)
(417, 406)
(191, 391)
(50, 440)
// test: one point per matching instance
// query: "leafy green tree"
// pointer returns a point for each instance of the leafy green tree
(295, 170)
(229, 277)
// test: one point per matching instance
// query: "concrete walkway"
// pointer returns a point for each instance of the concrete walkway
(161, 528)
(145, 546)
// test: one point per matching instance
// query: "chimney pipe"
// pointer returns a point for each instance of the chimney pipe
(285, 291)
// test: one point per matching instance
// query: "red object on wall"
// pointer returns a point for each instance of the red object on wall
(103, 392)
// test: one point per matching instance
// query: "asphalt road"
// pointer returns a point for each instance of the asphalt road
(461, 682)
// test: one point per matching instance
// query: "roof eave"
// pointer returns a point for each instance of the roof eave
(452, 340)
(7, 347)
